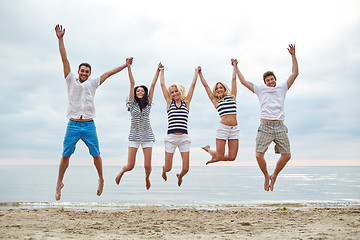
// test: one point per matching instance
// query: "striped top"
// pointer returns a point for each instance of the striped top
(226, 106)
(140, 129)
(177, 118)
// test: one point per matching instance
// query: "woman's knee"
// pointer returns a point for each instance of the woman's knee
(147, 167)
(167, 168)
(129, 167)
(185, 169)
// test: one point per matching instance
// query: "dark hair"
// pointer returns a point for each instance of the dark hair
(85, 65)
(268, 73)
(142, 102)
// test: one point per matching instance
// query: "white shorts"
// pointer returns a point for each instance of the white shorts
(134, 144)
(181, 141)
(226, 132)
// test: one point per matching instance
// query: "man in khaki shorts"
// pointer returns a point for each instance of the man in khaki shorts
(272, 128)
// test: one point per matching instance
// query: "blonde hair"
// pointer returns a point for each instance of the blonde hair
(180, 88)
(226, 93)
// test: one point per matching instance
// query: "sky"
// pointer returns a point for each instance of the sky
(322, 110)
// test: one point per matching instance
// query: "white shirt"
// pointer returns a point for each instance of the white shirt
(271, 101)
(81, 97)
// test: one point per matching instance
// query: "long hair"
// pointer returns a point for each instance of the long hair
(180, 88)
(226, 93)
(142, 102)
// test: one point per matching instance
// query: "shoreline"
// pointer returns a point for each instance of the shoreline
(119, 206)
(183, 223)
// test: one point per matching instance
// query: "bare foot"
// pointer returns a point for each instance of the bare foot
(206, 148)
(179, 179)
(273, 180)
(213, 159)
(59, 186)
(100, 187)
(164, 175)
(147, 180)
(118, 177)
(266, 184)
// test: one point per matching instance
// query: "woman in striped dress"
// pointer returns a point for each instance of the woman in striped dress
(139, 105)
(177, 106)
(224, 102)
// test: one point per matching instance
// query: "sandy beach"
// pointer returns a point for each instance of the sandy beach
(186, 223)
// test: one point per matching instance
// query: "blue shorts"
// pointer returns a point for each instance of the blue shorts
(85, 131)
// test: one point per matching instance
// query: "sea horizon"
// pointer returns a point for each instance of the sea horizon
(215, 187)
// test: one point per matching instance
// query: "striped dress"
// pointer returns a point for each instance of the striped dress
(177, 118)
(140, 129)
(226, 106)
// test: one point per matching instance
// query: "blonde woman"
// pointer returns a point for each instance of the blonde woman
(177, 107)
(224, 101)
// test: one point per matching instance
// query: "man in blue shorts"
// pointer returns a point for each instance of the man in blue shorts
(81, 111)
(272, 128)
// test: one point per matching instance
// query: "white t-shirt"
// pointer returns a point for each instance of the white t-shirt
(271, 101)
(81, 96)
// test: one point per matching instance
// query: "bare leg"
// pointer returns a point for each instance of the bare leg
(168, 164)
(98, 166)
(185, 166)
(64, 163)
(279, 166)
(262, 164)
(130, 164)
(233, 146)
(147, 165)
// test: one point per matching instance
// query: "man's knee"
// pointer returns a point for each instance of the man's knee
(286, 157)
(97, 159)
(65, 160)
(260, 156)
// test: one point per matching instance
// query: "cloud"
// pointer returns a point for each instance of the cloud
(322, 107)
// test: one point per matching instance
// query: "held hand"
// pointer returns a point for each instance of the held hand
(60, 31)
(291, 49)
(234, 62)
(198, 69)
(129, 61)
(161, 67)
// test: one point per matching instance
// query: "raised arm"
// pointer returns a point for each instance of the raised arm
(163, 86)
(233, 79)
(104, 76)
(207, 88)
(131, 78)
(60, 31)
(191, 88)
(295, 67)
(247, 84)
(152, 87)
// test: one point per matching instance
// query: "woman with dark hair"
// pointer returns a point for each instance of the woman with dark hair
(139, 105)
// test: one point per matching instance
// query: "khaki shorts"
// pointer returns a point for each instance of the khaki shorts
(272, 131)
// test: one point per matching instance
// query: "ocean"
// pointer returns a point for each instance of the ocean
(207, 187)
